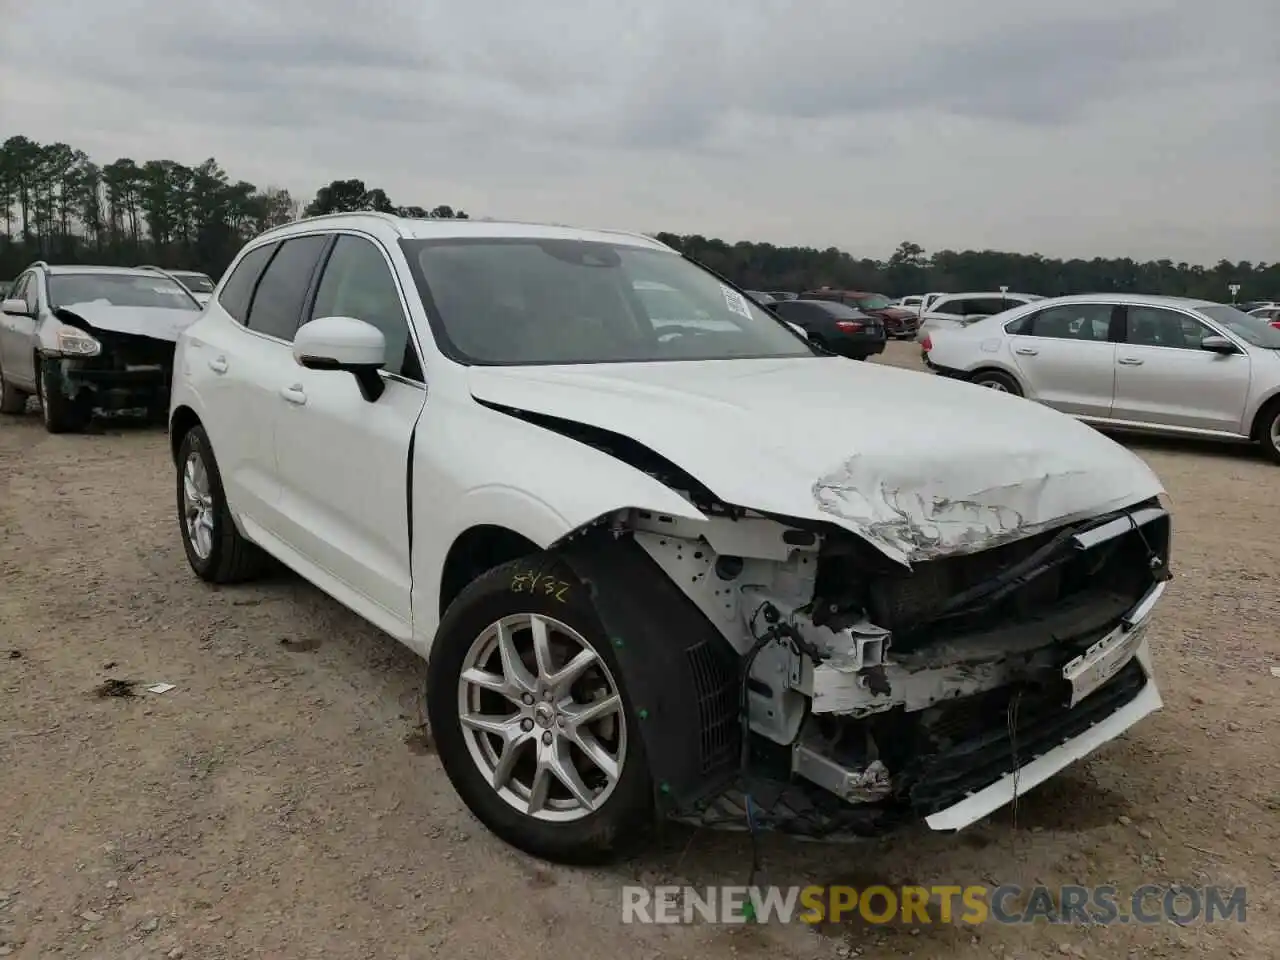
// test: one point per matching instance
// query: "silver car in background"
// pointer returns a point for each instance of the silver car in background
(1159, 364)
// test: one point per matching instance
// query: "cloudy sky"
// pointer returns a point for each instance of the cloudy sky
(1143, 128)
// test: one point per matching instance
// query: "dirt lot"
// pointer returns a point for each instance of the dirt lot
(281, 801)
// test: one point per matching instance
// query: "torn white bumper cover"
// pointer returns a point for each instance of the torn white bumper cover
(1127, 643)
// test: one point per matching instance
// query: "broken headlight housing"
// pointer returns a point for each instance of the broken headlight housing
(77, 343)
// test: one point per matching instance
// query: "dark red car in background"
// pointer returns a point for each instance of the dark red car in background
(899, 324)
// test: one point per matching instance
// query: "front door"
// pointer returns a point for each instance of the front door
(1164, 377)
(343, 460)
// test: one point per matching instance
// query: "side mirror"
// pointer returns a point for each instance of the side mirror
(347, 344)
(1219, 345)
(16, 307)
(798, 330)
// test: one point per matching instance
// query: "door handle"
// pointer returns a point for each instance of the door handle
(218, 364)
(1130, 361)
(1027, 351)
(294, 394)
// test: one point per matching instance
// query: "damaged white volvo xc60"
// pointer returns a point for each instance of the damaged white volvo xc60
(681, 567)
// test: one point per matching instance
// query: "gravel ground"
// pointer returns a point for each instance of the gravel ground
(281, 800)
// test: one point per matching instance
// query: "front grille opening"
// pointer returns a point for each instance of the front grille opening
(1118, 572)
(965, 746)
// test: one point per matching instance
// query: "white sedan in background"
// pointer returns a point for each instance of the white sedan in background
(1161, 364)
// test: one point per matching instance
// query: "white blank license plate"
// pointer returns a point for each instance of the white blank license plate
(1093, 668)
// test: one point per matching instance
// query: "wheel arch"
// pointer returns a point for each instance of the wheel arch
(182, 421)
(474, 552)
(1267, 404)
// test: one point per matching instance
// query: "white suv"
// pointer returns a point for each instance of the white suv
(953, 310)
(652, 560)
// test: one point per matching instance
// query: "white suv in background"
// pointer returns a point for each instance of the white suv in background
(950, 310)
(626, 516)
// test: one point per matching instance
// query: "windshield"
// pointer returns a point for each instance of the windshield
(535, 301)
(873, 301)
(1252, 330)
(118, 290)
(195, 282)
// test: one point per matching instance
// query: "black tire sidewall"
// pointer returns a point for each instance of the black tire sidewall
(197, 440)
(599, 837)
(12, 400)
(995, 376)
(60, 413)
(1269, 417)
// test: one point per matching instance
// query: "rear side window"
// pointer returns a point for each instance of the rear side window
(276, 309)
(988, 306)
(1080, 321)
(238, 290)
(842, 311)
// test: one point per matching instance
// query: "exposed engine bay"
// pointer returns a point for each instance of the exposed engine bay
(130, 370)
(869, 692)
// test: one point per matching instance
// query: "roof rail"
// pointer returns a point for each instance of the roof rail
(390, 218)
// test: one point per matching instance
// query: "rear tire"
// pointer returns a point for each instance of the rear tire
(611, 815)
(61, 414)
(12, 400)
(995, 380)
(215, 548)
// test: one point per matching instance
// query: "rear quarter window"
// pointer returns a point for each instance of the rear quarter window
(238, 290)
(278, 301)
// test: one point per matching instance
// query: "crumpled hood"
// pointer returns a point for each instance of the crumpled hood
(918, 465)
(159, 323)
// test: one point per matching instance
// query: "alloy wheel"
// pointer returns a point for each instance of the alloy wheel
(542, 717)
(197, 505)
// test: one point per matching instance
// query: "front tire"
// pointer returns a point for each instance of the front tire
(995, 380)
(61, 414)
(531, 719)
(215, 548)
(1269, 431)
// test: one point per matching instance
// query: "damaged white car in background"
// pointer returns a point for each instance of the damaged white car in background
(664, 565)
(85, 338)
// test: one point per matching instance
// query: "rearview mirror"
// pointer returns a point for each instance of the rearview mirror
(1218, 345)
(344, 343)
(16, 307)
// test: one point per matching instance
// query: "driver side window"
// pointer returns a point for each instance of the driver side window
(357, 282)
(1158, 327)
(30, 291)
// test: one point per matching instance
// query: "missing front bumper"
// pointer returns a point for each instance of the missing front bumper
(1121, 703)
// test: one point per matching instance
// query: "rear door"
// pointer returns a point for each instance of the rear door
(247, 358)
(343, 460)
(215, 362)
(1066, 356)
(1164, 377)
